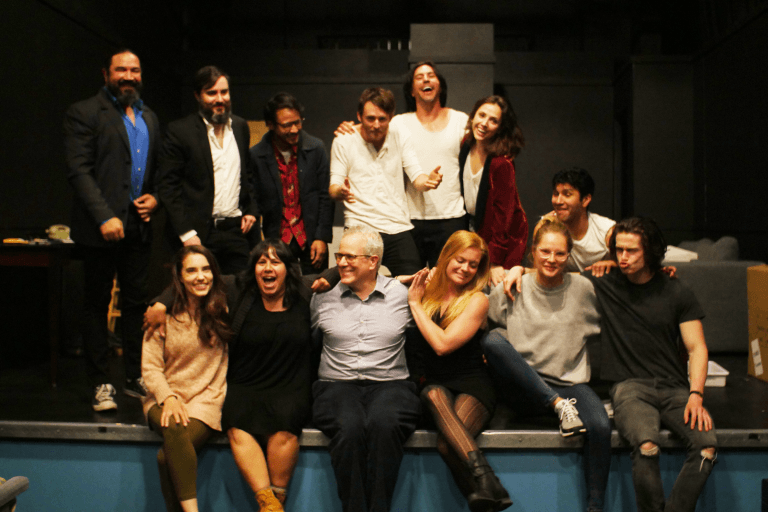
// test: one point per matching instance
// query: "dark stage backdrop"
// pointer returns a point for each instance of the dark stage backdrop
(732, 138)
(678, 138)
(52, 55)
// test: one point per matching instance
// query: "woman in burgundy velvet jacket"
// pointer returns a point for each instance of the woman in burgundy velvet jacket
(487, 177)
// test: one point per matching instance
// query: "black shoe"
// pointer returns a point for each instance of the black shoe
(135, 388)
(489, 493)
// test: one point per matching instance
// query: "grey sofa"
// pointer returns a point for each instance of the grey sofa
(719, 280)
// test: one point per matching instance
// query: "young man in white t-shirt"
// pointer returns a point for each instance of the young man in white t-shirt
(572, 191)
(436, 132)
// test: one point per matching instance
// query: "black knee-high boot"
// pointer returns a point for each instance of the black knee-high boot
(489, 494)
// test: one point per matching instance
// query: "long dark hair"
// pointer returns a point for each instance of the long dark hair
(410, 101)
(293, 280)
(652, 240)
(212, 322)
(508, 140)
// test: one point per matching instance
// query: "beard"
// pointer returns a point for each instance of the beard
(125, 97)
(215, 118)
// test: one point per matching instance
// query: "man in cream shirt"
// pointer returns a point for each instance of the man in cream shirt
(367, 176)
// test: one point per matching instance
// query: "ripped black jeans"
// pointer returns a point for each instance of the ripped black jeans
(640, 407)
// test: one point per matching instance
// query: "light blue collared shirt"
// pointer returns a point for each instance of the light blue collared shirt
(363, 339)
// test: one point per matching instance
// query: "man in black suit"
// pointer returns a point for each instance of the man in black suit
(291, 171)
(203, 174)
(110, 144)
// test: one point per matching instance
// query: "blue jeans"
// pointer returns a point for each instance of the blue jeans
(527, 393)
(640, 406)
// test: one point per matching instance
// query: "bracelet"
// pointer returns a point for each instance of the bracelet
(693, 392)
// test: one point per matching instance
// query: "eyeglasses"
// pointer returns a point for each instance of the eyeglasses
(288, 126)
(545, 254)
(351, 258)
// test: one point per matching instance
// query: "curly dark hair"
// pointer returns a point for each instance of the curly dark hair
(213, 322)
(651, 238)
(410, 101)
(508, 140)
(576, 177)
(293, 280)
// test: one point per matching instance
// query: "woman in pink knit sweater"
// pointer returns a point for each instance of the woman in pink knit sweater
(185, 373)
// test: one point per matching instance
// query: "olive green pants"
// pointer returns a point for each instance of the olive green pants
(177, 459)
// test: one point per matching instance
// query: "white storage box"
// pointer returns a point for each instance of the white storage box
(716, 375)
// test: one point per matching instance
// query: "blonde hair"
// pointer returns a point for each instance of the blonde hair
(551, 225)
(439, 285)
(548, 224)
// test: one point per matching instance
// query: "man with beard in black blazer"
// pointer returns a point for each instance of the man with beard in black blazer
(204, 175)
(110, 142)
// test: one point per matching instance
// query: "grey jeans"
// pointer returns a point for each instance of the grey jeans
(640, 407)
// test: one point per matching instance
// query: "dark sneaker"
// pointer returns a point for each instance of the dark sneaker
(104, 398)
(570, 423)
(135, 388)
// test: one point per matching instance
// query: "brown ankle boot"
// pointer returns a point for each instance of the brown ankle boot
(267, 501)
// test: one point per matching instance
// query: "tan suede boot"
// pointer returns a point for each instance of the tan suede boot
(267, 501)
(281, 494)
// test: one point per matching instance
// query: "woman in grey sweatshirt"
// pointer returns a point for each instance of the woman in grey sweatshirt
(538, 356)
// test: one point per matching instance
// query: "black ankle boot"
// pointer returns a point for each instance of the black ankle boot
(489, 494)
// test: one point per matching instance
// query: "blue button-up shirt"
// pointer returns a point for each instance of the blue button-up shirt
(138, 139)
(363, 339)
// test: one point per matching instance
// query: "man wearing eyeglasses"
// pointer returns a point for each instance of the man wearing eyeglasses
(291, 172)
(363, 400)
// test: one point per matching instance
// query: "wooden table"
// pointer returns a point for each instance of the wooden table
(52, 257)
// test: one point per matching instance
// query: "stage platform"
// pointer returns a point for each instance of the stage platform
(73, 454)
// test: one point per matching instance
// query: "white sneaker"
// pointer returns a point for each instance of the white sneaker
(570, 423)
(104, 398)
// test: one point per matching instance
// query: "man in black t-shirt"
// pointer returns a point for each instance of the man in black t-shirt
(644, 315)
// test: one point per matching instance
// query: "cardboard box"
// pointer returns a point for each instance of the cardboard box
(757, 299)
